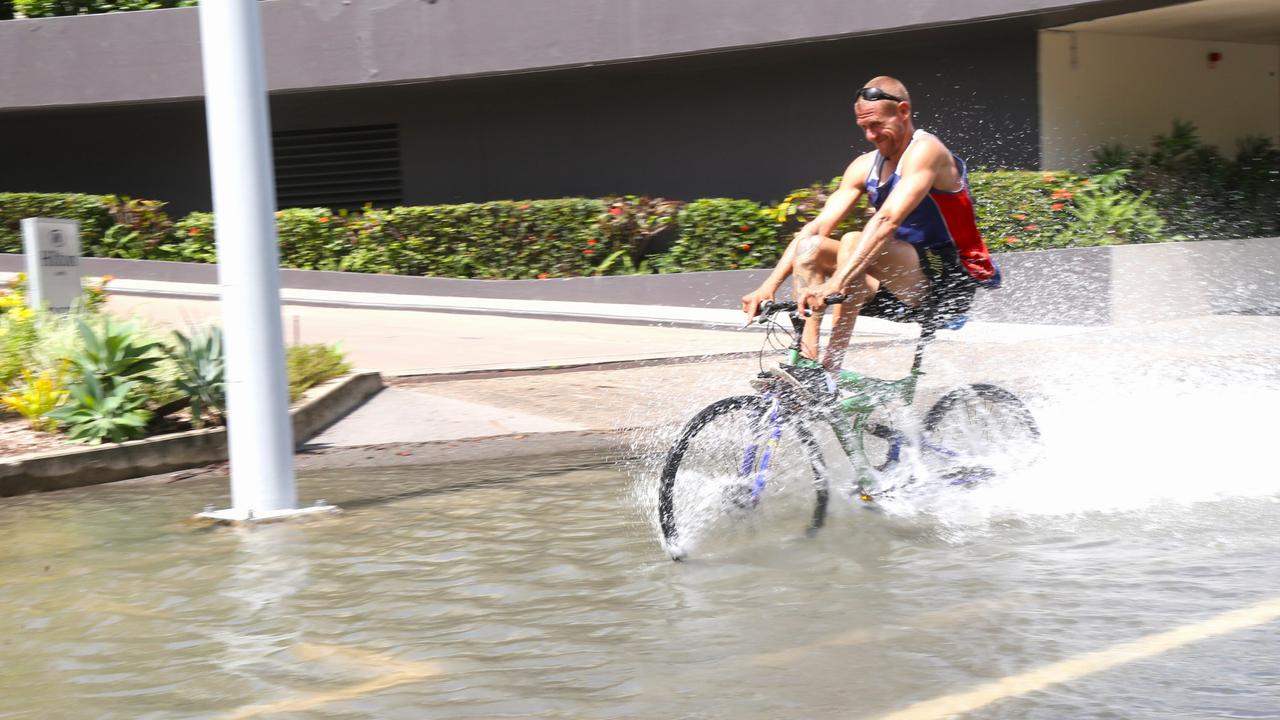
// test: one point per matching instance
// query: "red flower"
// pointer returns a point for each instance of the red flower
(1056, 206)
(323, 219)
(588, 251)
(744, 228)
(615, 211)
(193, 232)
(1011, 240)
(746, 247)
(592, 241)
(1032, 226)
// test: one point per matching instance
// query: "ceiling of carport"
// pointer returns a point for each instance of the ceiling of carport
(1246, 21)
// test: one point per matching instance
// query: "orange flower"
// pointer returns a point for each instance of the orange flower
(1048, 177)
(525, 206)
(592, 241)
(193, 232)
(1032, 226)
(1056, 206)
(107, 278)
(543, 276)
(323, 219)
(588, 251)
(746, 247)
(615, 211)
(1020, 216)
(1011, 240)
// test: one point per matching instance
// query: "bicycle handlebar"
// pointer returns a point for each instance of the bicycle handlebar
(769, 308)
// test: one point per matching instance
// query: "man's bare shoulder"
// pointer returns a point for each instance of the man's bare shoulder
(856, 174)
(927, 150)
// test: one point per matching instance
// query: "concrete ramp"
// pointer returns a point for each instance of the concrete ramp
(402, 416)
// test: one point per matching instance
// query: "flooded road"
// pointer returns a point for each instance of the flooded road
(538, 589)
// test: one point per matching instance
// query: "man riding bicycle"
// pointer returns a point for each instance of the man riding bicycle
(919, 258)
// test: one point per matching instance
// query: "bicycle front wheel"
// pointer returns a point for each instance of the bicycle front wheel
(741, 466)
(974, 430)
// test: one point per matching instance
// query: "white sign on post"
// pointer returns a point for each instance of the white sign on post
(52, 248)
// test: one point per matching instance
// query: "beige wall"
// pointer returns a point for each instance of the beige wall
(1126, 88)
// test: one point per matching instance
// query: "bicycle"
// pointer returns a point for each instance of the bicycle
(952, 445)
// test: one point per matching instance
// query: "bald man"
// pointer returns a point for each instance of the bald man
(920, 250)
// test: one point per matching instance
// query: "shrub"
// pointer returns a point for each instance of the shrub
(631, 224)
(1104, 212)
(507, 239)
(723, 234)
(801, 206)
(140, 228)
(18, 337)
(1023, 210)
(52, 8)
(115, 351)
(111, 370)
(201, 372)
(1199, 193)
(91, 210)
(100, 411)
(190, 240)
(36, 396)
(310, 365)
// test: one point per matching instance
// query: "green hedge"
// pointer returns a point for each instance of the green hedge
(52, 8)
(571, 237)
(724, 234)
(1024, 210)
(93, 212)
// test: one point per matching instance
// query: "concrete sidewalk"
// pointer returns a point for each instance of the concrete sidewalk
(647, 372)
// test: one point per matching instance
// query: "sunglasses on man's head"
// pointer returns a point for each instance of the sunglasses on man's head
(874, 93)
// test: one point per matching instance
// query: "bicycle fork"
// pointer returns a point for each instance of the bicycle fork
(748, 468)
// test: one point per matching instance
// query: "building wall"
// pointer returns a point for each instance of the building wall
(1126, 89)
(752, 124)
(154, 55)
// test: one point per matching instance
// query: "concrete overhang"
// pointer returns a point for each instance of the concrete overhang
(1244, 21)
(154, 56)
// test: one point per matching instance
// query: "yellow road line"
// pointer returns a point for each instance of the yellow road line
(1082, 665)
(939, 618)
(316, 651)
(404, 672)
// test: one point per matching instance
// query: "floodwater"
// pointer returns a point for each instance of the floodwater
(539, 589)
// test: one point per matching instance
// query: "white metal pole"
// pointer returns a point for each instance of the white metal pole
(259, 433)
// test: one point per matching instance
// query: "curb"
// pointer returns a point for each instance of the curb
(80, 467)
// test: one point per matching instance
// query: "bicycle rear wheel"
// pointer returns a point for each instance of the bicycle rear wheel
(973, 431)
(741, 465)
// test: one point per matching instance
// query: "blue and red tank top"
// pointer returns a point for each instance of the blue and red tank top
(942, 218)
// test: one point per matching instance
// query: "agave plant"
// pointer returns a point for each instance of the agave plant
(201, 366)
(115, 352)
(100, 411)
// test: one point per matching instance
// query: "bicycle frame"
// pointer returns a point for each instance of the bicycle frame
(850, 417)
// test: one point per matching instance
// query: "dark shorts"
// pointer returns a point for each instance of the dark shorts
(951, 291)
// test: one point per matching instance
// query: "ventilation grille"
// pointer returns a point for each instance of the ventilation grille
(338, 167)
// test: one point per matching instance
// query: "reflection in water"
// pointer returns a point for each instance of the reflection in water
(540, 591)
(267, 568)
